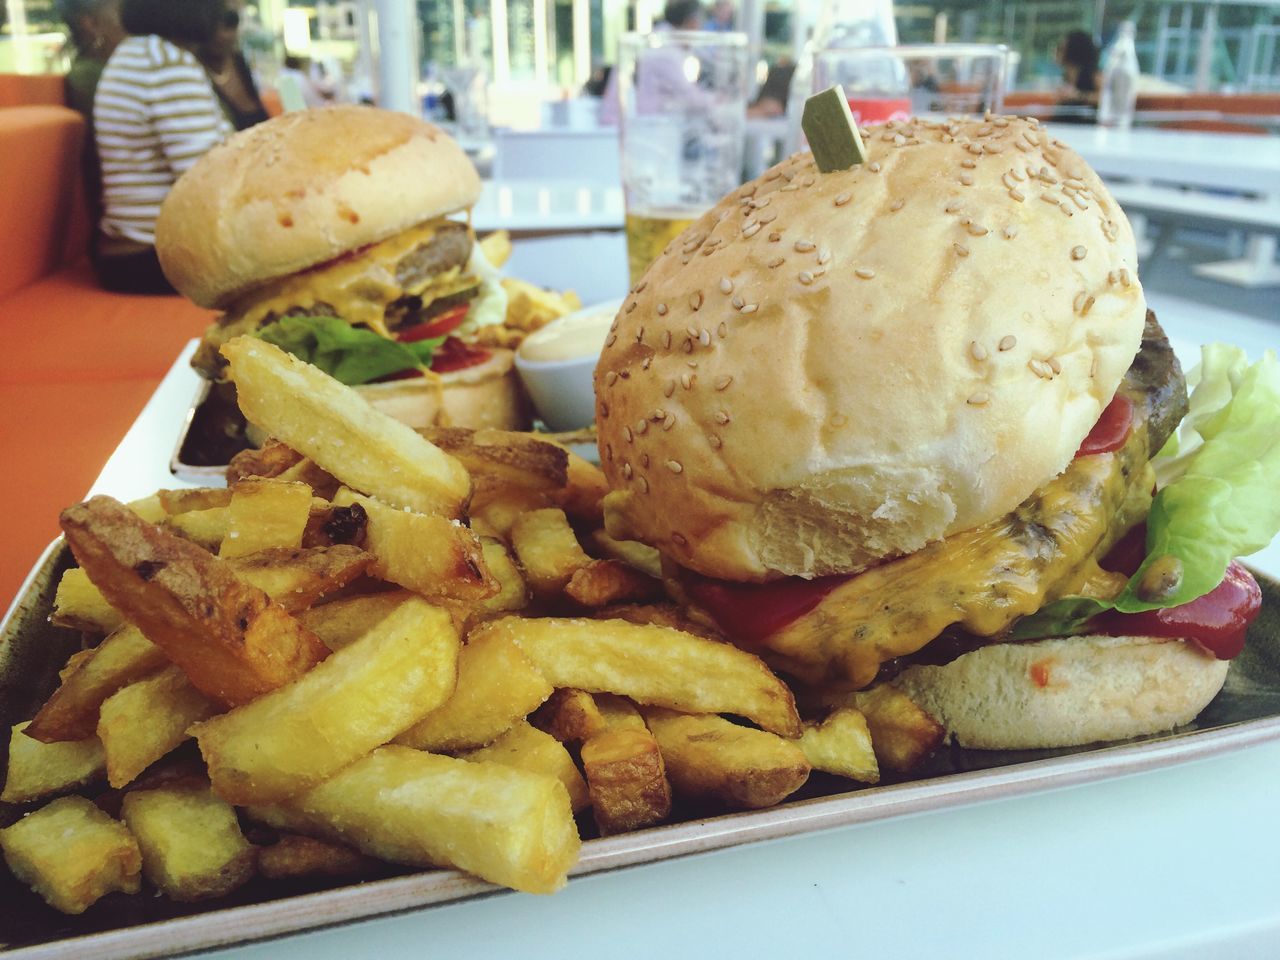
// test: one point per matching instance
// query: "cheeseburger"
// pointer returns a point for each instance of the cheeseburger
(878, 421)
(331, 233)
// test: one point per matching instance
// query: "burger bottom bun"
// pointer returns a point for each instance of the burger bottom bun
(487, 395)
(1066, 692)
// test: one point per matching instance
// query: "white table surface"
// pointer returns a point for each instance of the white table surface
(541, 206)
(1182, 862)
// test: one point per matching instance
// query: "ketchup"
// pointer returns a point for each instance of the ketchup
(751, 612)
(1111, 430)
(1217, 621)
(454, 354)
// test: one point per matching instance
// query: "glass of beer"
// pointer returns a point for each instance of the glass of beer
(682, 99)
(931, 80)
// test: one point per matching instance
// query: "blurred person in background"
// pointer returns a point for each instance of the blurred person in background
(722, 16)
(663, 74)
(95, 32)
(229, 70)
(1078, 57)
(155, 114)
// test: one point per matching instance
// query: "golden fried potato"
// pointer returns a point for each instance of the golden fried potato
(530, 307)
(333, 425)
(653, 665)
(270, 460)
(643, 557)
(294, 855)
(841, 744)
(504, 458)
(143, 721)
(228, 637)
(79, 605)
(265, 515)
(496, 247)
(38, 770)
(604, 582)
(344, 621)
(207, 528)
(296, 578)
(498, 508)
(901, 732)
(527, 748)
(191, 844)
(198, 498)
(360, 697)
(547, 549)
(72, 854)
(504, 825)
(513, 591)
(626, 779)
(708, 757)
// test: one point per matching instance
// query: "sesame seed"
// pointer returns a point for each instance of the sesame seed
(1010, 232)
(751, 230)
(1093, 367)
(960, 249)
(897, 205)
(804, 246)
(644, 364)
(842, 199)
(723, 382)
(704, 338)
(722, 417)
(675, 466)
(611, 378)
(640, 335)
(789, 188)
(977, 230)
(1048, 199)
(669, 389)
(692, 332)
(824, 256)
(978, 399)
(687, 346)
(749, 308)
(642, 425)
(626, 432)
(1111, 278)
(966, 179)
(679, 538)
(662, 309)
(899, 139)
(686, 381)
(723, 330)
(1054, 365)
(805, 277)
(726, 285)
(1066, 208)
(644, 485)
(613, 338)
(977, 351)
(874, 166)
(666, 339)
(715, 441)
(767, 217)
(776, 262)
(631, 306)
(668, 421)
(1017, 195)
(737, 302)
(639, 287)
(951, 207)
(604, 412)
(695, 301)
(1008, 342)
(1124, 276)
(1039, 368)
(864, 273)
(969, 164)
(626, 470)
(775, 236)
(1078, 253)
(1088, 305)
(1078, 302)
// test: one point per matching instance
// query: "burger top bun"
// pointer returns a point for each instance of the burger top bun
(830, 369)
(301, 189)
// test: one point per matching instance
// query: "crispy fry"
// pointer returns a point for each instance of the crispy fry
(38, 770)
(334, 426)
(498, 685)
(297, 578)
(602, 582)
(639, 555)
(360, 697)
(264, 515)
(294, 855)
(582, 497)
(513, 592)
(548, 549)
(228, 637)
(626, 779)
(528, 748)
(658, 614)
(71, 713)
(208, 528)
(709, 757)
(198, 498)
(499, 508)
(496, 247)
(433, 556)
(191, 844)
(323, 483)
(841, 744)
(142, 722)
(653, 665)
(530, 307)
(901, 733)
(270, 460)
(148, 508)
(72, 854)
(505, 825)
(571, 716)
(504, 458)
(80, 605)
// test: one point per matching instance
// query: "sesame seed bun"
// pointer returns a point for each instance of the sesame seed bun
(302, 189)
(826, 370)
(1064, 693)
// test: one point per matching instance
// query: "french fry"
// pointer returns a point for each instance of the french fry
(72, 854)
(270, 460)
(342, 622)
(198, 498)
(626, 780)
(709, 757)
(496, 247)
(228, 637)
(659, 615)
(527, 748)
(901, 732)
(604, 582)
(297, 578)
(191, 844)
(208, 528)
(498, 685)
(530, 307)
(322, 483)
(842, 744)
(504, 825)
(334, 426)
(571, 716)
(431, 555)
(504, 458)
(38, 770)
(582, 496)
(142, 722)
(294, 855)
(643, 557)
(547, 549)
(71, 713)
(498, 509)
(513, 591)
(265, 514)
(360, 697)
(80, 605)
(653, 665)
(148, 508)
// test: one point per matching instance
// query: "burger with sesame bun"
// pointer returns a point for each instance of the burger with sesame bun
(331, 234)
(896, 423)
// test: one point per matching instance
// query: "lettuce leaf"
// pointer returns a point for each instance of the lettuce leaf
(351, 355)
(1218, 476)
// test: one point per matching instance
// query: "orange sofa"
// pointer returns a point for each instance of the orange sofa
(77, 363)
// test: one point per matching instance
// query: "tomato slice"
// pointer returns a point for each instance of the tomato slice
(438, 326)
(749, 613)
(453, 354)
(1111, 430)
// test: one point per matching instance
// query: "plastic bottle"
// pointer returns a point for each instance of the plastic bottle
(1119, 94)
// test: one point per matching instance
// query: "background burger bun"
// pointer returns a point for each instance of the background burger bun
(301, 189)
(1064, 693)
(486, 395)
(830, 369)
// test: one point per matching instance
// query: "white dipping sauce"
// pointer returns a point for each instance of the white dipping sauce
(579, 334)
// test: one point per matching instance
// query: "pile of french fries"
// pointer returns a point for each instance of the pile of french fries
(389, 646)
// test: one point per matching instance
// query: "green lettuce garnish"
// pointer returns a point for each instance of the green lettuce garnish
(1218, 477)
(351, 355)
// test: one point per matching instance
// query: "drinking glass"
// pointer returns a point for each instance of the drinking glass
(682, 99)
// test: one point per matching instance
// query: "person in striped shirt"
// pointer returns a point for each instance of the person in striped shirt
(155, 115)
